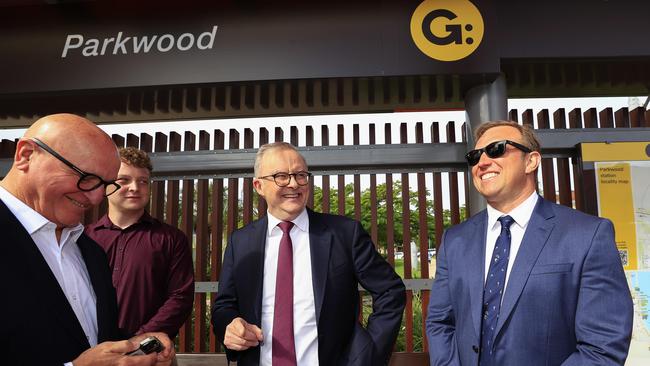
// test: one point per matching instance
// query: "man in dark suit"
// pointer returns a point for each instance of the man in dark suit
(59, 305)
(288, 289)
(526, 281)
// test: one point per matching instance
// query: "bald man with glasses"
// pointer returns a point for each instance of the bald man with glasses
(288, 290)
(59, 305)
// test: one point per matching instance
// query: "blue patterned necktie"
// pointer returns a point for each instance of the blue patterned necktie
(494, 287)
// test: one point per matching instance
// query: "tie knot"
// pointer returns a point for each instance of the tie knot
(285, 226)
(506, 221)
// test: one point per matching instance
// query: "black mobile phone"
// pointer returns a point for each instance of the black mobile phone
(147, 346)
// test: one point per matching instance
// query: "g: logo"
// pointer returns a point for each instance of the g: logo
(447, 30)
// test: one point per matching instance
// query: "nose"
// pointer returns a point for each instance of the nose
(292, 182)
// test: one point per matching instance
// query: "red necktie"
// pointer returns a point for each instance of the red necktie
(283, 347)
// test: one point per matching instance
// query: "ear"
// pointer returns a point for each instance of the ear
(532, 161)
(258, 186)
(24, 152)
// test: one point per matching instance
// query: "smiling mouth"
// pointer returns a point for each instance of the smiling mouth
(291, 195)
(77, 203)
(489, 176)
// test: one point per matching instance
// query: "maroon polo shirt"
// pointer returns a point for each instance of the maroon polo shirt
(152, 273)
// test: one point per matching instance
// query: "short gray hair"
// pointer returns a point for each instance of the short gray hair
(280, 145)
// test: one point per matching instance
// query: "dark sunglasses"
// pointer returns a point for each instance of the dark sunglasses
(493, 150)
(87, 181)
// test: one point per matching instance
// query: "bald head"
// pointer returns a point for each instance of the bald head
(49, 186)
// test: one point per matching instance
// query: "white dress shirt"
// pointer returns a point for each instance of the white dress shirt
(521, 214)
(305, 329)
(65, 261)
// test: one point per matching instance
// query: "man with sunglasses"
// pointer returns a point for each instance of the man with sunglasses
(59, 305)
(288, 290)
(526, 281)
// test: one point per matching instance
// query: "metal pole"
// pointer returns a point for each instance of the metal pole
(483, 103)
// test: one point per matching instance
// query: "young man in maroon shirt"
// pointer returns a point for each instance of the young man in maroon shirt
(151, 261)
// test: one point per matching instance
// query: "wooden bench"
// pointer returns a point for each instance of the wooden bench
(219, 359)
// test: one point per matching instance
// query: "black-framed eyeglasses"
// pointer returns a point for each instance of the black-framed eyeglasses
(283, 179)
(87, 181)
(493, 150)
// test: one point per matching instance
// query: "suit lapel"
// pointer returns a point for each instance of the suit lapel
(38, 274)
(320, 243)
(256, 248)
(94, 272)
(534, 240)
(475, 256)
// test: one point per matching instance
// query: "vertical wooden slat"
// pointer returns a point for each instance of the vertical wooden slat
(454, 200)
(438, 214)
(637, 117)
(293, 135)
(309, 141)
(357, 178)
(575, 122)
(606, 118)
(146, 145)
(406, 245)
(216, 230)
(340, 133)
(201, 253)
(279, 134)
(527, 118)
(118, 140)
(325, 205)
(261, 203)
(591, 118)
(563, 175)
(423, 235)
(247, 205)
(622, 118)
(548, 173)
(390, 220)
(233, 188)
(132, 140)
(374, 231)
(187, 226)
(158, 187)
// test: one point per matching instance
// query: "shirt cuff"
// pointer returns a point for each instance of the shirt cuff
(68, 364)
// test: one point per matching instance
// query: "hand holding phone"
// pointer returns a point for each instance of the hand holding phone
(147, 346)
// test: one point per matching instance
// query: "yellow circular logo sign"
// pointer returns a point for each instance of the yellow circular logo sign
(447, 30)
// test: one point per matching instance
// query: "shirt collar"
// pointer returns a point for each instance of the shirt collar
(301, 222)
(105, 222)
(31, 220)
(521, 214)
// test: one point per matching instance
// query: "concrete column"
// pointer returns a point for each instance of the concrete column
(483, 103)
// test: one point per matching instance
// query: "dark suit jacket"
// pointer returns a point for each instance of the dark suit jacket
(567, 301)
(37, 324)
(342, 256)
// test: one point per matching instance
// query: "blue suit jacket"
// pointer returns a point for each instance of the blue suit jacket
(342, 257)
(566, 303)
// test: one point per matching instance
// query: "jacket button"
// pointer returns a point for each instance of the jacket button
(475, 349)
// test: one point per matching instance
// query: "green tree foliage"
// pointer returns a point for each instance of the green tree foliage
(382, 221)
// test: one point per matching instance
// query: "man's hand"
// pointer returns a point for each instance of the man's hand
(113, 353)
(241, 336)
(167, 354)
